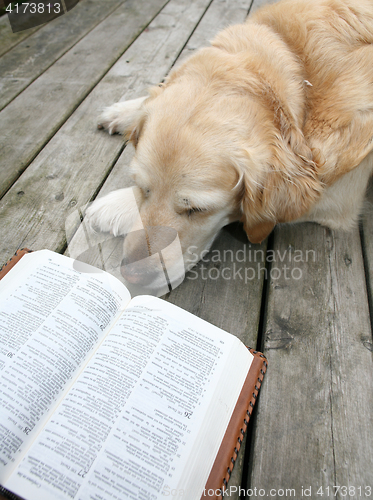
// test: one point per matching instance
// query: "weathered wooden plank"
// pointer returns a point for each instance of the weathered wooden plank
(367, 241)
(70, 169)
(220, 15)
(8, 39)
(314, 425)
(33, 117)
(30, 58)
(257, 4)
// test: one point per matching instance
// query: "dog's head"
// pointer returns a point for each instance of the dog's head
(216, 144)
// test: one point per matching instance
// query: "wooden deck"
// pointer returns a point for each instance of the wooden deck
(305, 303)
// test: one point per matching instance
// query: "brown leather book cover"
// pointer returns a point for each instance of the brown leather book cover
(13, 261)
(230, 446)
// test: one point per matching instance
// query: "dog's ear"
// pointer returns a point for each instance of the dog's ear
(286, 191)
(260, 232)
(289, 184)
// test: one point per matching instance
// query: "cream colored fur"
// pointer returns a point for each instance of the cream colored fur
(273, 123)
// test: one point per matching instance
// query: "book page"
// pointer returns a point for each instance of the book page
(52, 317)
(161, 387)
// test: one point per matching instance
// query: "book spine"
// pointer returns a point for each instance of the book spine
(246, 420)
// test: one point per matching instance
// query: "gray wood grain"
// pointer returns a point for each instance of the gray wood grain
(73, 165)
(367, 241)
(31, 57)
(8, 39)
(33, 117)
(220, 15)
(314, 422)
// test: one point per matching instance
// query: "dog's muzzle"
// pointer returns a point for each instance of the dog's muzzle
(151, 254)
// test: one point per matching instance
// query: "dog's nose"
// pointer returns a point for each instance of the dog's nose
(140, 273)
(142, 262)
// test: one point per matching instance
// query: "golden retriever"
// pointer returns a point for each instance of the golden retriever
(272, 123)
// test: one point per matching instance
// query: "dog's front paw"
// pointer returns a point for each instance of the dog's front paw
(112, 118)
(116, 213)
(120, 117)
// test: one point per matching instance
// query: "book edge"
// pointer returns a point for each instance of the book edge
(223, 465)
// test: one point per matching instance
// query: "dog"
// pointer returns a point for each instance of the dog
(272, 123)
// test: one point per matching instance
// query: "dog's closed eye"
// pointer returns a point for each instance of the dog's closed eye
(189, 209)
(194, 210)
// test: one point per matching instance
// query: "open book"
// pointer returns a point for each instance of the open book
(105, 397)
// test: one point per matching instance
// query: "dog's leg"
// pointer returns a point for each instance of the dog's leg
(120, 117)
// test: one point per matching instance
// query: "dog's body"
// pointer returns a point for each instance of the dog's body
(273, 123)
